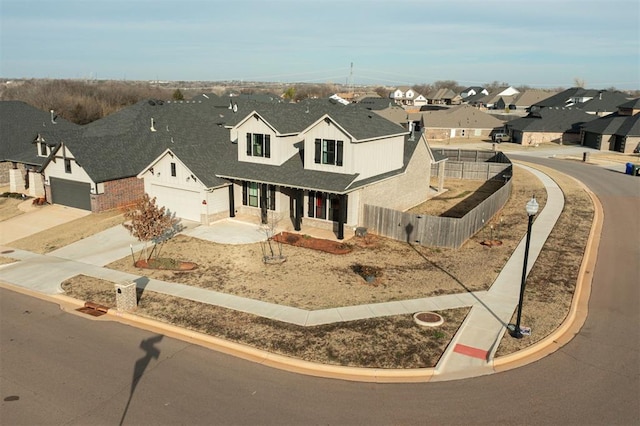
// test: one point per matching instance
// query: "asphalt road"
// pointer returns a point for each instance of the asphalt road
(58, 368)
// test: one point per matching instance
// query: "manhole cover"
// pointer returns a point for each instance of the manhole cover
(428, 319)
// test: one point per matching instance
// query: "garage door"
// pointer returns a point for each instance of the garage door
(185, 204)
(71, 193)
(592, 140)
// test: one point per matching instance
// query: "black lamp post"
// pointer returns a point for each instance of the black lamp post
(532, 209)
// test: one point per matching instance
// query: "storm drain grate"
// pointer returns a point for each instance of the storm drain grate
(93, 309)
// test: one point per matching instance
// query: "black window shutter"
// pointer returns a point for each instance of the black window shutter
(267, 146)
(318, 152)
(244, 193)
(249, 144)
(339, 153)
(312, 203)
(272, 197)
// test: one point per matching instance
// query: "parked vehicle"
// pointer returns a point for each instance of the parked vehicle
(501, 137)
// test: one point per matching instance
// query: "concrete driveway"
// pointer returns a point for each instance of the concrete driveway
(36, 219)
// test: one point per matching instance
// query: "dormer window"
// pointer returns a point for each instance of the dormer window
(328, 151)
(43, 149)
(258, 145)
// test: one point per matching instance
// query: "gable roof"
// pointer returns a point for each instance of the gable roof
(552, 120)
(20, 125)
(604, 101)
(607, 125)
(461, 116)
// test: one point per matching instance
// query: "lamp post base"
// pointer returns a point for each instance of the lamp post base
(516, 333)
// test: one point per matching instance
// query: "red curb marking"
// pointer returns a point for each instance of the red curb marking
(471, 351)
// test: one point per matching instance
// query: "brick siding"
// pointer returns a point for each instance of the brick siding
(117, 194)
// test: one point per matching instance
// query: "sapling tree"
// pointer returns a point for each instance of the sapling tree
(151, 223)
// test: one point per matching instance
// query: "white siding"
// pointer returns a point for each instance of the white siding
(328, 130)
(281, 147)
(180, 194)
(376, 157)
(55, 168)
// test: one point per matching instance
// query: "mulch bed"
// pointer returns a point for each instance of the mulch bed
(165, 264)
(306, 241)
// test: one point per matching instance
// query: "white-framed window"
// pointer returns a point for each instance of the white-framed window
(258, 145)
(67, 165)
(252, 195)
(174, 172)
(328, 151)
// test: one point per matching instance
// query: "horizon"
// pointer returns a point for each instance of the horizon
(360, 43)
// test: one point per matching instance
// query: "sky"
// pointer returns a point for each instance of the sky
(542, 43)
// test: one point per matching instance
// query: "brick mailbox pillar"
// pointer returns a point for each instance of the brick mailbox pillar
(126, 297)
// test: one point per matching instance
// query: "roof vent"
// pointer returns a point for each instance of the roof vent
(205, 95)
(53, 117)
(153, 125)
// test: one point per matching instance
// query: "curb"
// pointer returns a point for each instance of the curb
(579, 306)
(562, 335)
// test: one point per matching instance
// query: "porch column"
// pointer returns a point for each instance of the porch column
(299, 209)
(263, 203)
(342, 215)
(232, 203)
(36, 184)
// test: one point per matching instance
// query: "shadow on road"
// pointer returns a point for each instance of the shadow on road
(150, 352)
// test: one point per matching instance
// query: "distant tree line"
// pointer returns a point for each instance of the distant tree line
(81, 102)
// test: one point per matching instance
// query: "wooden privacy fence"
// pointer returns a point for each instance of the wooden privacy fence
(473, 165)
(440, 231)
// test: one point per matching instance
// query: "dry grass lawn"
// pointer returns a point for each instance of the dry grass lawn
(9, 208)
(70, 232)
(314, 280)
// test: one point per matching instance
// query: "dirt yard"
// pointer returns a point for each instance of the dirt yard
(313, 280)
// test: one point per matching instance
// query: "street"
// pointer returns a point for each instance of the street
(61, 368)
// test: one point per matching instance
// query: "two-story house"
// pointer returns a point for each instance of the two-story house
(313, 164)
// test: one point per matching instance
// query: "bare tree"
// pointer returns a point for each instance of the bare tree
(579, 82)
(150, 223)
(272, 247)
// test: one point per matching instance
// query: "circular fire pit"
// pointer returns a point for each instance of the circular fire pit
(428, 319)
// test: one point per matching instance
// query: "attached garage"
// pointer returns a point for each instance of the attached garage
(184, 203)
(592, 140)
(71, 193)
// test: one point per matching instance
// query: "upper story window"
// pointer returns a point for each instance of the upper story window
(43, 149)
(173, 170)
(328, 151)
(258, 145)
(67, 165)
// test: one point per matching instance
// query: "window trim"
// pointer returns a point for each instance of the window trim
(329, 152)
(67, 165)
(255, 141)
(174, 170)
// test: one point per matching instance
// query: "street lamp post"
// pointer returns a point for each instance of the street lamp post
(532, 209)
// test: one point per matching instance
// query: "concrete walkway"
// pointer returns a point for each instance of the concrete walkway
(470, 353)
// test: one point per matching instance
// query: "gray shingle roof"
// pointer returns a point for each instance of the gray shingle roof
(20, 125)
(552, 120)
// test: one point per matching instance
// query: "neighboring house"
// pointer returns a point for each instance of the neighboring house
(473, 91)
(443, 97)
(500, 96)
(95, 167)
(606, 102)
(21, 159)
(406, 96)
(518, 103)
(560, 125)
(619, 131)
(462, 121)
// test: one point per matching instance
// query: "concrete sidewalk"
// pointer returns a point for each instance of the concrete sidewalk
(472, 349)
(470, 353)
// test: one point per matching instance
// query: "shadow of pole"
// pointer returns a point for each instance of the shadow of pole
(468, 290)
(151, 352)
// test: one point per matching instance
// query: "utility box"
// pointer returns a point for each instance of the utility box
(126, 297)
